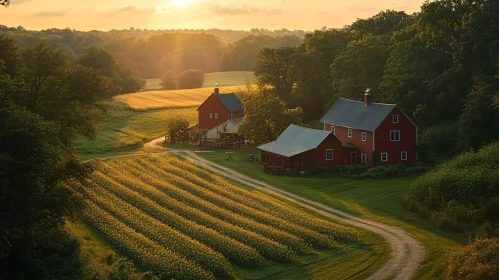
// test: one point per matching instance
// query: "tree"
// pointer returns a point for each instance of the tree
(5, 3)
(274, 68)
(383, 23)
(266, 117)
(10, 55)
(191, 78)
(177, 129)
(169, 80)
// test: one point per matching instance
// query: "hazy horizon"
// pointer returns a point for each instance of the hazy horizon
(194, 14)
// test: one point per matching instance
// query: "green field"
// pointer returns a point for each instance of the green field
(373, 199)
(186, 223)
(169, 98)
(220, 79)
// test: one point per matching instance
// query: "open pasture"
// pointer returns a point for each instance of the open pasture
(180, 98)
(173, 218)
(221, 79)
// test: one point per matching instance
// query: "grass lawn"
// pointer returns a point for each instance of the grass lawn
(222, 79)
(125, 130)
(147, 100)
(373, 199)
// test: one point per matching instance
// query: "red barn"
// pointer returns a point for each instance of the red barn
(300, 147)
(373, 127)
(218, 108)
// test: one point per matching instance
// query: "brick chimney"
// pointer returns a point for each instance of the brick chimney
(217, 90)
(367, 97)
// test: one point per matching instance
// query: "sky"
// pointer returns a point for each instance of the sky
(195, 14)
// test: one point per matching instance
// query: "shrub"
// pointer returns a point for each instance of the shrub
(437, 141)
(191, 78)
(461, 194)
(177, 128)
(169, 80)
(476, 261)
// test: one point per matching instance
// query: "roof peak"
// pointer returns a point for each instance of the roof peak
(389, 104)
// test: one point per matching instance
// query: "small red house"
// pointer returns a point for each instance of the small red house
(218, 108)
(300, 147)
(373, 127)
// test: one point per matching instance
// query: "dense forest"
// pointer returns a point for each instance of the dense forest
(153, 52)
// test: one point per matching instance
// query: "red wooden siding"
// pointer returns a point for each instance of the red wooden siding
(363, 147)
(212, 105)
(408, 139)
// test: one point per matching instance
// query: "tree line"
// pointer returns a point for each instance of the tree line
(154, 52)
(440, 66)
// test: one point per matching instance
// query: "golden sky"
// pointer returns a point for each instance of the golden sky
(195, 14)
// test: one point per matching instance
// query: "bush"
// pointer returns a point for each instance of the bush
(476, 261)
(437, 142)
(169, 80)
(461, 194)
(177, 128)
(191, 78)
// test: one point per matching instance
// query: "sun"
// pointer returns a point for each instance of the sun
(181, 3)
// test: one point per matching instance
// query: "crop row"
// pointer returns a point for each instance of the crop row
(164, 235)
(161, 183)
(233, 250)
(142, 250)
(311, 237)
(217, 184)
(268, 248)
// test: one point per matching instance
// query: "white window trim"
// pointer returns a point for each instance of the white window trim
(401, 157)
(391, 140)
(211, 115)
(216, 115)
(333, 129)
(395, 117)
(363, 157)
(350, 133)
(386, 159)
(332, 154)
(364, 136)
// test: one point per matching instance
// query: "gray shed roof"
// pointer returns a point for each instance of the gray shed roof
(230, 101)
(235, 121)
(295, 140)
(354, 114)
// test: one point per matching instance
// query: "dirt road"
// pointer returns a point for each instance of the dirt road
(406, 252)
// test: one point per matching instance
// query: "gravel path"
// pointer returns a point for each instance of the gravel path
(406, 251)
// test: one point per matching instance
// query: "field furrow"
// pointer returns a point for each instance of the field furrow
(268, 248)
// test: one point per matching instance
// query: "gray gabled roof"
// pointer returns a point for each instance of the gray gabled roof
(235, 121)
(354, 114)
(230, 101)
(295, 140)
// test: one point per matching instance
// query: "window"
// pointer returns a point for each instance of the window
(384, 157)
(395, 118)
(216, 115)
(329, 154)
(403, 155)
(333, 130)
(364, 136)
(350, 132)
(211, 116)
(363, 158)
(395, 135)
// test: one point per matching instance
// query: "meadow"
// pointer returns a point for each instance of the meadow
(183, 222)
(220, 79)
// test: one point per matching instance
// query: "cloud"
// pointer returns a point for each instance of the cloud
(134, 10)
(238, 9)
(53, 13)
(16, 2)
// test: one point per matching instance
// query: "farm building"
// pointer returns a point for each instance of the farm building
(228, 127)
(301, 147)
(219, 108)
(370, 127)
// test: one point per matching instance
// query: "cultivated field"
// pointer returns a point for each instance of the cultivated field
(170, 98)
(222, 79)
(173, 218)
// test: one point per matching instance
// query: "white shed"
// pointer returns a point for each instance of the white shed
(229, 126)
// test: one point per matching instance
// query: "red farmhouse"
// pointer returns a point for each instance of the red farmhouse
(373, 127)
(300, 147)
(218, 108)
